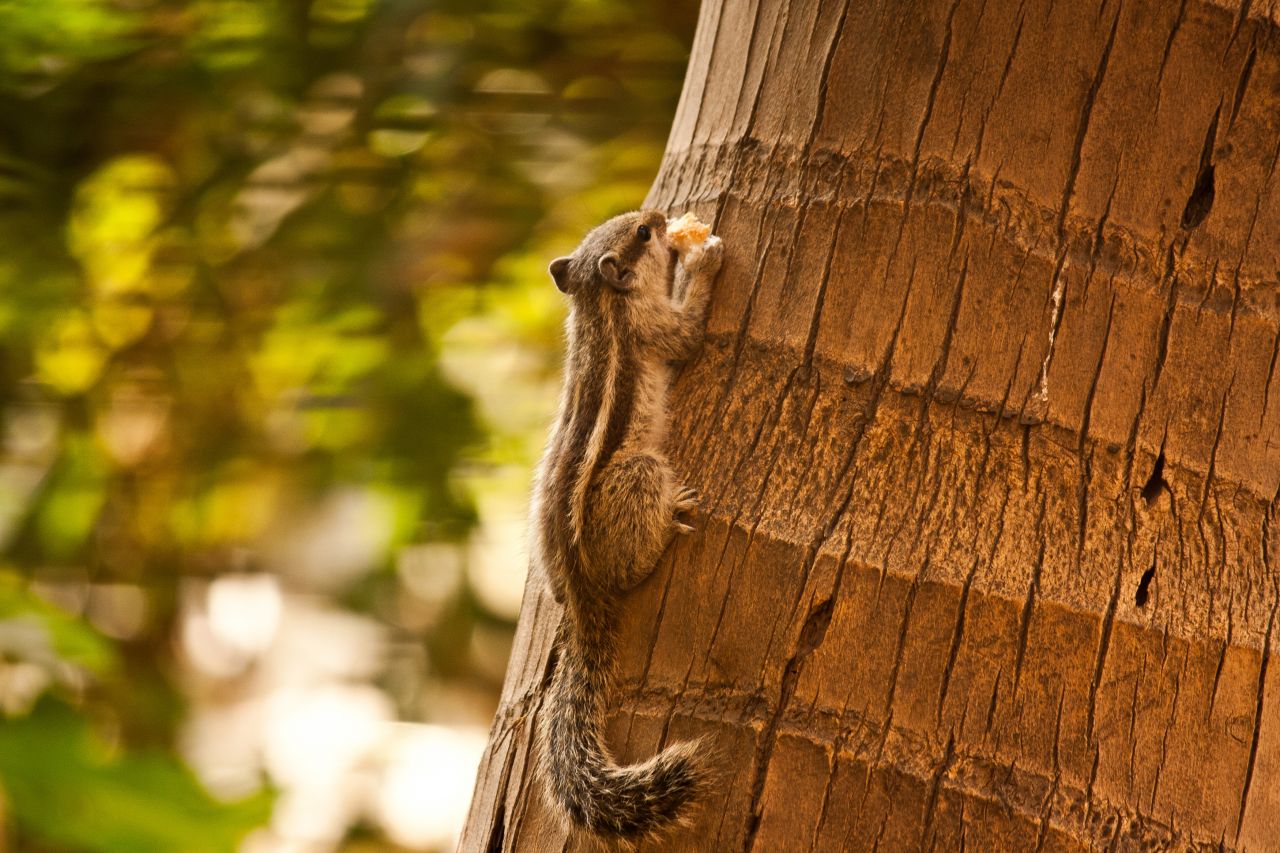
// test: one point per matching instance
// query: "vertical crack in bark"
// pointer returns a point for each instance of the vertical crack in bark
(1245, 73)
(1217, 672)
(1271, 372)
(1168, 48)
(724, 604)
(995, 696)
(499, 833)
(825, 76)
(832, 768)
(1213, 452)
(498, 829)
(944, 349)
(1248, 237)
(811, 636)
(754, 513)
(815, 627)
(1164, 737)
(1245, 7)
(943, 54)
(811, 339)
(1096, 250)
(775, 31)
(1170, 281)
(1004, 77)
(1082, 128)
(738, 157)
(1139, 678)
(1059, 282)
(879, 383)
(908, 607)
(1028, 606)
(999, 412)
(931, 802)
(523, 799)
(657, 626)
(1100, 660)
(1257, 720)
(1086, 458)
(1057, 296)
(1044, 819)
(1131, 446)
(957, 636)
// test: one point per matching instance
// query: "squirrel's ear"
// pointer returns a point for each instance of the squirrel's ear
(559, 271)
(614, 273)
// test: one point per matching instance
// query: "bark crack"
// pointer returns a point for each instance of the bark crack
(1257, 720)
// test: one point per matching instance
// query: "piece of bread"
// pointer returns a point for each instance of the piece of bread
(687, 232)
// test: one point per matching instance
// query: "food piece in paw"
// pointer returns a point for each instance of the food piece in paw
(687, 232)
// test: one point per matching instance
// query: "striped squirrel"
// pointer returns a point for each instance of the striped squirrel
(606, 504)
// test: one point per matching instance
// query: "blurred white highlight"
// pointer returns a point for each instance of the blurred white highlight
(244, 611)
(425, 788)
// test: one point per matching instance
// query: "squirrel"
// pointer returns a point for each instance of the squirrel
(606, 504)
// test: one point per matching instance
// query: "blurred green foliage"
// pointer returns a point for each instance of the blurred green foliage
(239, 240)
(71, 790)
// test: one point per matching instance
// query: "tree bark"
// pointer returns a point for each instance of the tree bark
(986, 431)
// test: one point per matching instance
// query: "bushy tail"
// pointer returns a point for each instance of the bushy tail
(596, 794)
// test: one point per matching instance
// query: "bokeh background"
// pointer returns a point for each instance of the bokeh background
(277, 355)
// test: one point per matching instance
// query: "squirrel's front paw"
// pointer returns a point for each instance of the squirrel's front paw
(704, 259)
(686, 499)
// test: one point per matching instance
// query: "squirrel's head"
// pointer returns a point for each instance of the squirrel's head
(626, 253)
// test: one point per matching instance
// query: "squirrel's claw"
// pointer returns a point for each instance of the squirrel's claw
(686, 499)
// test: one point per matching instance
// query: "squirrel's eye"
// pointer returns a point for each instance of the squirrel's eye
(643, 233)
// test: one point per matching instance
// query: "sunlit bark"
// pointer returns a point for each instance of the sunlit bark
(986, 429)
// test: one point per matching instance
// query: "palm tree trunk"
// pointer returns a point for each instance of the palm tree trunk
(986, 428)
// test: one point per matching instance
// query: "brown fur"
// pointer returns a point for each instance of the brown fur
(605, 508)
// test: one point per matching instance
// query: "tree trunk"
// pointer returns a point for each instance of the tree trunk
(985, 427)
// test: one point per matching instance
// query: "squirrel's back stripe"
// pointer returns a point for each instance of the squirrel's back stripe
(615, 399)
(625, 380)
(585, 374)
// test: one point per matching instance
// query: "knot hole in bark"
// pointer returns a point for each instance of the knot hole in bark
(1156, 483)
(1200, 202)
(815, 629)
(1143, 593)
